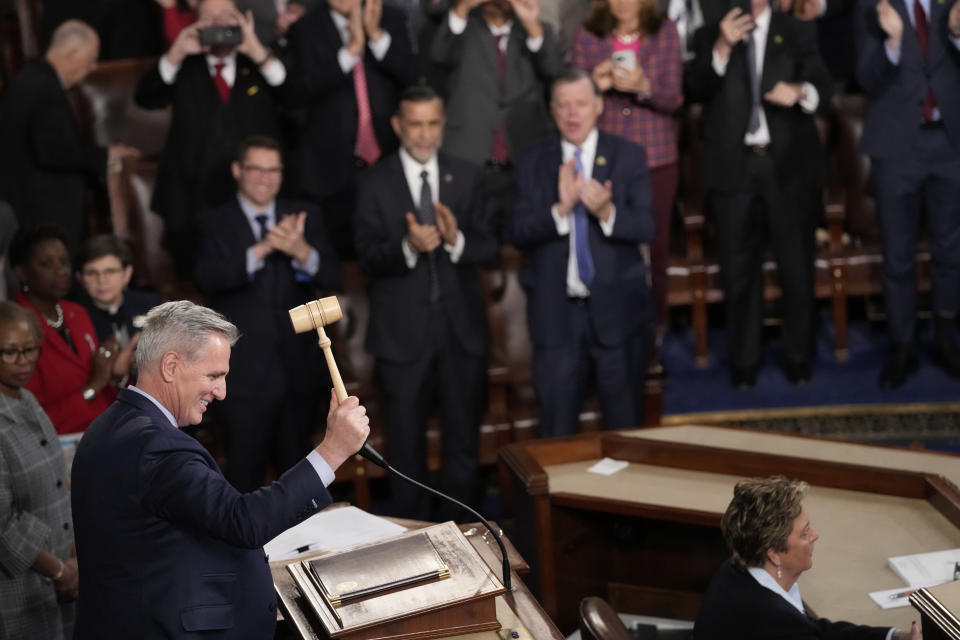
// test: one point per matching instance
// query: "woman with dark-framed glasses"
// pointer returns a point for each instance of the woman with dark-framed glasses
(38, 566)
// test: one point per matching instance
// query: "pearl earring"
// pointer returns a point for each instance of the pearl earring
(779, 573)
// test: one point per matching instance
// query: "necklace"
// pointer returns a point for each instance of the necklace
(55, 324)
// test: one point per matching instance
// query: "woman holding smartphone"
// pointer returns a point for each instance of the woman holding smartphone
(634, 54)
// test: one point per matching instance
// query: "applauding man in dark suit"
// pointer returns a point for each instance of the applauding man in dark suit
(582, 212)
(258, 258)
(421, 228)
(167, 548)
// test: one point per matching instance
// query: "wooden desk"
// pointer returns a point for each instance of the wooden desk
(517, 610)
(648, 539)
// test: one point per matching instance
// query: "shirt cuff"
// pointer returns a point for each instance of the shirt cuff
(955, 41)
(534, 44)
(719, 64)
(409, 255)
(168, 70)
(253, 263)
(311, 266)
(321, 467)
(607, 227)
(380, 47)
(456, 250)
(346, 60)
(562, 222)
(823, 8)
(274, 72)
(455, 22)
(809, 98)
(892, 633)
(892, 56)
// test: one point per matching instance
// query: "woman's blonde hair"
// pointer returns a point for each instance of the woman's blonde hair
(760, 517)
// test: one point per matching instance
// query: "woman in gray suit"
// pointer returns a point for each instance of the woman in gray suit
(38, 567)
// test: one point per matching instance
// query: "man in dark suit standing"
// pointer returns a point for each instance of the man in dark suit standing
(166, 547)
(220, 95)
(258, 258)
(421, 229)
(908, 62)
(47, 162)
(500, 59)
(760, 78)
(354, 60)
(582, 212)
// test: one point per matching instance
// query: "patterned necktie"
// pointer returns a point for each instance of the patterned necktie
(923, 35)
(262, 222)
(753, 125)
(367, 147)
(498, 146)
(220, 82)
(427, 215)
(581, 233)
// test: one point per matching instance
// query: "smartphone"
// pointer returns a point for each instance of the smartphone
(625, 60)
(215, 36)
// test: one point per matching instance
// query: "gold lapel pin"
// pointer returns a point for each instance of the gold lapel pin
(601, 161)
(252, 90)
(448, 178)
(778, 39)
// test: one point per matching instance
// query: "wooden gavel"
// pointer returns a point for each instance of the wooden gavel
(317, 314)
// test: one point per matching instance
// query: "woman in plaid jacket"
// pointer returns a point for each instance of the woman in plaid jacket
(634, 54)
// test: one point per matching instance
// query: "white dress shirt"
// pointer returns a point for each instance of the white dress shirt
(411, 171)
(588, 151)
(793, 596)
(346, 59)
(809, 97)
(458, 24)
(273, 70)
(321, 466)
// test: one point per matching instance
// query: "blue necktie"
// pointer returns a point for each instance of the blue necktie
(581, 234)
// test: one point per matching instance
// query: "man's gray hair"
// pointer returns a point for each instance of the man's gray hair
(73, 34)
(180, 326)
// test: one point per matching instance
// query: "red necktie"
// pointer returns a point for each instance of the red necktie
(220, 82)
(498, 146)
(923, 35)
(367, 147)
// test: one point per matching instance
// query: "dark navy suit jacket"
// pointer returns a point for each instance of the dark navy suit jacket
(619, 295)
(896, 91)
(167, 547)
(737, 606)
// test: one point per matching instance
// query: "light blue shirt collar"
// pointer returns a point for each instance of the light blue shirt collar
(162, 408)
(251, 212)
(766, 580)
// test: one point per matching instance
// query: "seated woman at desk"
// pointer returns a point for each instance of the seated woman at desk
(755, 593)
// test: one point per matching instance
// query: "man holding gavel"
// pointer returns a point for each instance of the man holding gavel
(166, 547)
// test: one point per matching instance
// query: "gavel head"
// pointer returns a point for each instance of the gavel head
(315, 314)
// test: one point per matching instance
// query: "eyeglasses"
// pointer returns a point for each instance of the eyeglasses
(30, 354)
(263, 171)
(93, 274)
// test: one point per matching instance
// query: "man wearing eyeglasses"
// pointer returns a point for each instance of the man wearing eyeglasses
(260, 256)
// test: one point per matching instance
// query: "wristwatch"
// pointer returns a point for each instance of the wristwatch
(89, 393)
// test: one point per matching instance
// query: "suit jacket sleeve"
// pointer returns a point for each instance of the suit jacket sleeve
(702, 82)
(874, 70)
(330, 274)
(399, 62)
(447, 46)
(532, 223)
(549, 59)
(57, 147)
(666, 79)
(221, 263)
(178, 484)
(480, 242)
(634, 222)
(811, 67)
(378, 247)
(152, 92)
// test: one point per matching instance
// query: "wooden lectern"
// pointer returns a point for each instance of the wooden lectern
(461, 602)
(939, 609)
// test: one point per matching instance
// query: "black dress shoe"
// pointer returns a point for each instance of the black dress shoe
(743, 378)
(901, 362)
(798, 373)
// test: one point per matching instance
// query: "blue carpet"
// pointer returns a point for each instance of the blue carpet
(854, 382)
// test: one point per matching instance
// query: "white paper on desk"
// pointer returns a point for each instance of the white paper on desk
(331, 530)
(883, 599)
(608, 466)
(925, 569)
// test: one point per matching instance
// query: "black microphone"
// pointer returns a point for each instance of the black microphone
(371, 454)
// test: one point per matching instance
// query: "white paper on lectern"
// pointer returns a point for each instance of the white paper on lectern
(331, 530)
(926, 569)
(883, 598)
(608, 466)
